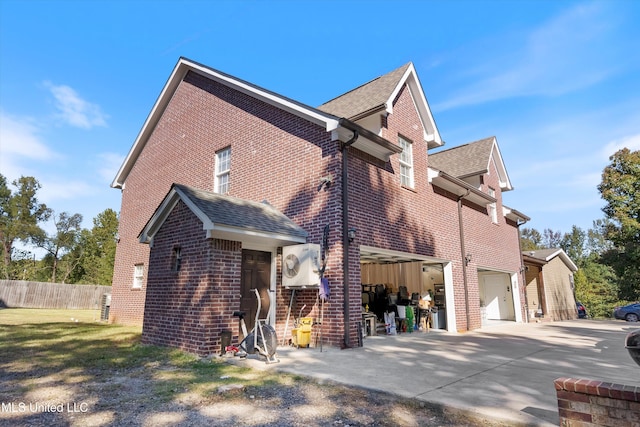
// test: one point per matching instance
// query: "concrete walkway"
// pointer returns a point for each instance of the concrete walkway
(504, 372)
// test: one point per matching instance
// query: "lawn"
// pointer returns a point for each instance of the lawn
(62, 367)
(53, 357)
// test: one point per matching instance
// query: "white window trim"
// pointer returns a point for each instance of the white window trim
(493, 208)
(222, 172)
(404, 143)
(138, 276)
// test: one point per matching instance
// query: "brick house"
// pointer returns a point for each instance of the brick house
(549, 284)
(360, 167)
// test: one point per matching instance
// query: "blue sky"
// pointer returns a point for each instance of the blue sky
(557, 82)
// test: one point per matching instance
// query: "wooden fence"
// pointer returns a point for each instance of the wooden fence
(23, 294)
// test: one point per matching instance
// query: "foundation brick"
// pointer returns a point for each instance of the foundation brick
(602, 404)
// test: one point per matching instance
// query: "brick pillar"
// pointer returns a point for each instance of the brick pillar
(589, 403)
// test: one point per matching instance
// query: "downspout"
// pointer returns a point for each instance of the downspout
(523, 272)
(345, 236)
(463, 252)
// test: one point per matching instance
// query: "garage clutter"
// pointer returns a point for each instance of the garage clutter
(398, 311)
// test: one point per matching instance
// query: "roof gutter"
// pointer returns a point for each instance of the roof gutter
(348, 124)
(468, 187)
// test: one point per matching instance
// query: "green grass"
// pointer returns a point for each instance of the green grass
(62, 356)
(43, 343)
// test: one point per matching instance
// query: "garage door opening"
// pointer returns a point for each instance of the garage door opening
(394, 282)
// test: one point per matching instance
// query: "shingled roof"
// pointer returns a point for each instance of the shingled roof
(378, 95)
(227, 217)
(547, 255)
(365, 99)
(464, 160)
(470, 160)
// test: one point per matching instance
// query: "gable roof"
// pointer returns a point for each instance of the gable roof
(366, 99)
(549, 254)
(340, 128)
(227, 217)
(378, 95)
(472, 159)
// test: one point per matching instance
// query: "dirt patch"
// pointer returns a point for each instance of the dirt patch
(144, 397)
(55, 372)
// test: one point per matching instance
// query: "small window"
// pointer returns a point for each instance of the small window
(176, 259)
(493, 210)
(223, 167)
(406, 162)
(138, 275)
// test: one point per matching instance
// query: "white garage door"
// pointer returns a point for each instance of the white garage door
(497, 296)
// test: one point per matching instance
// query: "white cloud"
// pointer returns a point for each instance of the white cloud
(19, 137)
(631, 142)
(563, 55)
(74, 110)
(52, 191)
(20, 140)
(110, 164)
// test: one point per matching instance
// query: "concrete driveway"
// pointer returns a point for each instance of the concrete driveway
(504, 372)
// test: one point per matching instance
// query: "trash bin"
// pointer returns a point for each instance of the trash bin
(632, 344)
(435, 319)
(442, 318)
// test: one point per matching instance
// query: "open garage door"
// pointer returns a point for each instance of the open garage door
(387, 274)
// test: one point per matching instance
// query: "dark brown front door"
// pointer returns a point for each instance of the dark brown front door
(256, 274)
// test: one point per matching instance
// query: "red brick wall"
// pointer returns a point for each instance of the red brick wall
(492, 246)
(189, 308)
(281, 158)
(588, 403)
(275, 156)
(423, 220)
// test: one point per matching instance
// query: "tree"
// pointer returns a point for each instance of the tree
(20, 214)
(100, 249)
(597, 243)
(595, 288)
(620, 188)
(574, 245)
(62, 241)
(551, 239)
(530, 239)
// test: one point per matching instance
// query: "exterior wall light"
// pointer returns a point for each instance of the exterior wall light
(352, 234)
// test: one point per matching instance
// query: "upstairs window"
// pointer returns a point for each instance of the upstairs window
(138, 276)
(176, 259)
(223, 167)
(406, 162)
(493, 210)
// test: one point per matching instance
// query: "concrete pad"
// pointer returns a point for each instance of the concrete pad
(505, 372)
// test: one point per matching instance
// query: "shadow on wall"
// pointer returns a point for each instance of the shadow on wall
(371, 194)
